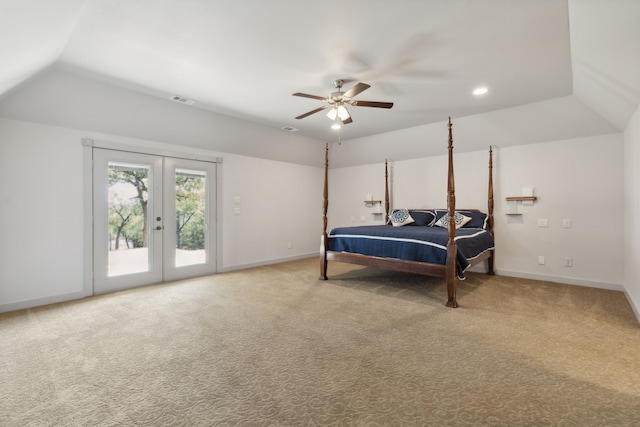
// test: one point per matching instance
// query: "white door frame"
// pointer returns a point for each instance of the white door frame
(177, 152)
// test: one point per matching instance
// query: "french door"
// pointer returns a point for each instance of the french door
(154, 219)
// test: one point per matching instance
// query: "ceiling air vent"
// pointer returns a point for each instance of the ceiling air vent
(289, 129)
(182, 100)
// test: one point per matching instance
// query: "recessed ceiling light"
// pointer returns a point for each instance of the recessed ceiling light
(480, 91)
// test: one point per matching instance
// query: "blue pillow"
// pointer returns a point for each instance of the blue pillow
(423, 218)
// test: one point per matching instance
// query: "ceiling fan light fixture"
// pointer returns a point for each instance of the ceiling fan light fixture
(343, 113)
(339, 111)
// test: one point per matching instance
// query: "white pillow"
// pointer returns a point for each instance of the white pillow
(400, 217)
(459, 219)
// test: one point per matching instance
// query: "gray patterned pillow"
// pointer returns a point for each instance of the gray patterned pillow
(458, 218)
(478, 219)
(400, 217)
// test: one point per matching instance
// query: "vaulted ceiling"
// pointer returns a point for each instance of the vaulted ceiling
(245, 59)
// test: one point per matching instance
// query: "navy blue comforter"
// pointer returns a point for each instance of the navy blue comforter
(411, 243)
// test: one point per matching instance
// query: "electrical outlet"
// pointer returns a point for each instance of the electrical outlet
(289, 245)
(566, 223)
(568, 262)
(540, 260)
(543, 222)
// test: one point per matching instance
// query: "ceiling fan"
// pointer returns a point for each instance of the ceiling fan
(338, 101)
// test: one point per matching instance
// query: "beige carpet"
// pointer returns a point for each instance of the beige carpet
(273, 346)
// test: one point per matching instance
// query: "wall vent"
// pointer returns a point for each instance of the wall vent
(182, 100)
(289, 129)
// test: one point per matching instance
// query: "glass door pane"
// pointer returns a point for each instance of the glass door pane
(191, 216)
(128, 198)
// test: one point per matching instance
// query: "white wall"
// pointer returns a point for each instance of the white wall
(416, 183)
(42, 223)
(579, 179)
(280, 204)
(41, 214)
(348, 189)
(552, 120)
(632, 211)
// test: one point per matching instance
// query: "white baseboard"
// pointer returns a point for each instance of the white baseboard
(563, 280)
(37, 302)
(269, 262)
(40, 301)
(634, 306)
(568, 281)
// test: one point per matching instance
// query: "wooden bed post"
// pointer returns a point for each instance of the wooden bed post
(325, 206)
(386, 192)
(452, 251)
(490, 261)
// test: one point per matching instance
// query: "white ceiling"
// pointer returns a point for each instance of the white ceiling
(245, 58)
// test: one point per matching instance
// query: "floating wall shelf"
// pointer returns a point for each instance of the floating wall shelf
(522, 199)
(514, 202)
(373, 203)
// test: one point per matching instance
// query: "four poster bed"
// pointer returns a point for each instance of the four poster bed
(422, 241)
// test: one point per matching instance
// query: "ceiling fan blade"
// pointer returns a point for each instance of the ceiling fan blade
(372, 104)
(347, 120)
(311, 112)
(358, 88)
(306, 95)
